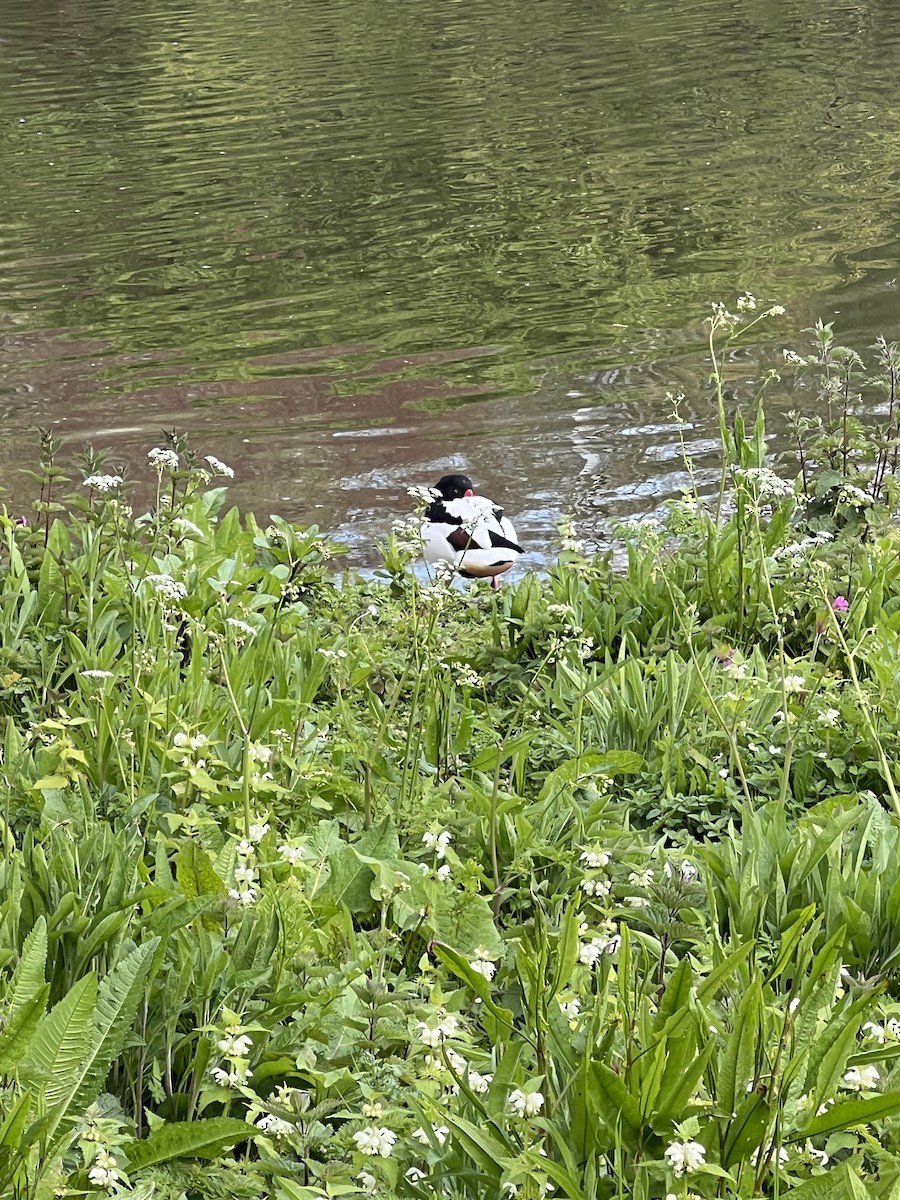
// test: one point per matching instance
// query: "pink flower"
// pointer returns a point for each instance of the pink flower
(840, 604)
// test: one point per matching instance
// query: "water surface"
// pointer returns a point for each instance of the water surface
(350, 245)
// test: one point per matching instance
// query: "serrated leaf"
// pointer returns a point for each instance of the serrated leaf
(186, 1139)
(118, 997)
(62, 1041)
(29, 975)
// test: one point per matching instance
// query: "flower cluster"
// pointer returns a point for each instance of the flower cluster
(103, 483)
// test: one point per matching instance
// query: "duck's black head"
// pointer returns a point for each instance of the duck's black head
(454, 487)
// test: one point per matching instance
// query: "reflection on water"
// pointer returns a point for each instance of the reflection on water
(350, 246)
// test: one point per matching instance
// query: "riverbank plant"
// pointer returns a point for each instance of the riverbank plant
(321, 887)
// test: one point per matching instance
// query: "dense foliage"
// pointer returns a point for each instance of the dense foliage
(314, 888)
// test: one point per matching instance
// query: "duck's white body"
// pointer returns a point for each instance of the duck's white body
(471, 534)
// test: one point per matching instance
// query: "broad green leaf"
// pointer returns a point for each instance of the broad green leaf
(845, 1114)
(187, 1139)
(19, 1030)
(118, 997)
(194, 872)
(62, 1042)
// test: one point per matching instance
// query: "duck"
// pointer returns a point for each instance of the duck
(467, 531)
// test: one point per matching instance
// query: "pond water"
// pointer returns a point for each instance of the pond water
(350, 245)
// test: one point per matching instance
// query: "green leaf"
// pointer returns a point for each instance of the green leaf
(117, 1001)
(194, 871)
(62, 1042)
(846, 1114)
(187, 1139)
(28, 977)
(616, 1107)
(483, 1148)
(19, 1030)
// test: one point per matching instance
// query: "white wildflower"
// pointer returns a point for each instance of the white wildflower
(257, 830)
(433, 1035)
(244, 874)
(746, 303)
(570, 1008)
(414, 1175)
(438, 842)
(874, 1031)
(423, 495)
(291, 853)
(163, 460)
(794, 683)
(269, 1123)
(167, 587)
(641, 878)
(443, 873)
(218, 467)
(235, 1046)
(375, 1140)
(245, 896)
(478, 1083)
(685, 1157)
(526, 1104)
(596, 887)
(241, 626)
(483, 963)
(367, 1182)
(765, 482)
(862, 1079)
(596, 858)
(103, 1171)
(103, 483)
(95, 674)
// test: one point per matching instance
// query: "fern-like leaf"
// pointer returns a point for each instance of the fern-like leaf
(117, 1001)
(29, 975)
(62, 1042)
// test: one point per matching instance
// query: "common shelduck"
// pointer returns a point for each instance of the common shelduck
(470, 532)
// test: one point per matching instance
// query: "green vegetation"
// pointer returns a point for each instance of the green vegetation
(591, 889)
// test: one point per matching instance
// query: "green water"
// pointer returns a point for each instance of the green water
(351, 244)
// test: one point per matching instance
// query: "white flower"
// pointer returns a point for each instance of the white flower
(291, 854)
(247, 896)
(769, 485)
(167, 587)
(874, 1031)
(274, 1125)
(438, 842)
(570, 1008)
(375, 1140)
(424, 495)
(819, 1157)
(162, 460)
(684, 1157)
(443, 873)
(892, 1026)
(596, 887)
(219, 468)
(103, 1173)
(526, 1104)
(862, 1079)
(482, 964)
(94, 674)
(103, 483)
(776, 310)
(257, 831)
(641, 878)
(746, 303)
(238, 1074)
(241, 626)
(238, 1046)
(830, 717)
(244, 849)
(245, 874)
(367, 1182)
(596, 858)
(414, 1175)
(433, 1035)
(794, 683)
(186, 526)
(478, 1083)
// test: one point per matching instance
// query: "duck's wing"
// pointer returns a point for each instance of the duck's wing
(504, 535)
